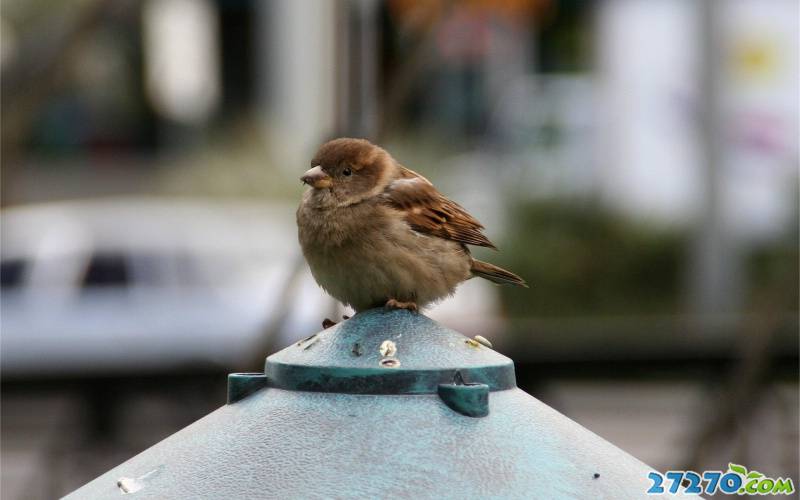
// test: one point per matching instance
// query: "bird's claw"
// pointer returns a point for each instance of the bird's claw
(396, 304)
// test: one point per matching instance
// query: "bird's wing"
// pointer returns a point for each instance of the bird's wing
(429, 212)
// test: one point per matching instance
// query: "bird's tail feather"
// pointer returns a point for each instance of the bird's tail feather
(496, 274)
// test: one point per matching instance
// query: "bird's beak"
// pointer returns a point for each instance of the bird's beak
(317, 178)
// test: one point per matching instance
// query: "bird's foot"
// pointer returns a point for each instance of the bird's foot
(396, 304)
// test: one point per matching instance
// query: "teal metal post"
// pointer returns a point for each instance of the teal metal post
(388, 404)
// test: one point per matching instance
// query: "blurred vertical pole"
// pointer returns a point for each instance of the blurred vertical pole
(370, 56)
(716, 266)
(296, 76)
(357, 72)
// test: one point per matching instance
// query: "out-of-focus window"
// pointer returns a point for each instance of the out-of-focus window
(12, 273)
(106, 270)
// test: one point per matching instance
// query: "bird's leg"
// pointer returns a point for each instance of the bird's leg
(396, 304)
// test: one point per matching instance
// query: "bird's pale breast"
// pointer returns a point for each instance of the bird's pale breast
(366, 254)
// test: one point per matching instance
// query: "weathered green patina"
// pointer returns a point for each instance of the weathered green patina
(347, 358)
(388, 404)
(241, 385)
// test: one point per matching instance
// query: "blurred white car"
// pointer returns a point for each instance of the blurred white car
(137, 285)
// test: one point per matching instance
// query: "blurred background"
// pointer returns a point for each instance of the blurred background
(635, 160)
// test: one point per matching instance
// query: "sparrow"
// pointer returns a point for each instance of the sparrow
(375, 233)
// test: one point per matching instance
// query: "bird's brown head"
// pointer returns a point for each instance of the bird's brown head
(349, 169)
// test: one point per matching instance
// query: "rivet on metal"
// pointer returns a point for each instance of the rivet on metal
(390, 362)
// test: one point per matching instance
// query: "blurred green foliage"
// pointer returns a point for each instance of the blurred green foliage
(772, 272)
(583, 260)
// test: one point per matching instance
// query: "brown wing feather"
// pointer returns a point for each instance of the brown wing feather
(428, 211)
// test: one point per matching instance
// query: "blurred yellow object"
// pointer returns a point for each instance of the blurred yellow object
(755, 58)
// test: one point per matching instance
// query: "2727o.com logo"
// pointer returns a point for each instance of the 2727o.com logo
(736, 480)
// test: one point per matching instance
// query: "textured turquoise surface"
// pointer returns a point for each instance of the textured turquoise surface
(346, 358)
(422, 344)
(288, 444)
(241, 385)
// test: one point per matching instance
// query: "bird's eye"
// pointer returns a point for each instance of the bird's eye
(347, 172)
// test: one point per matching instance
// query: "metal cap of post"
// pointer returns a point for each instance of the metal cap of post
(386, 404)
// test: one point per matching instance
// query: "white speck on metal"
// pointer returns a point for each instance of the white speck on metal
(388, 349)
(483, 340)
(129, 485)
